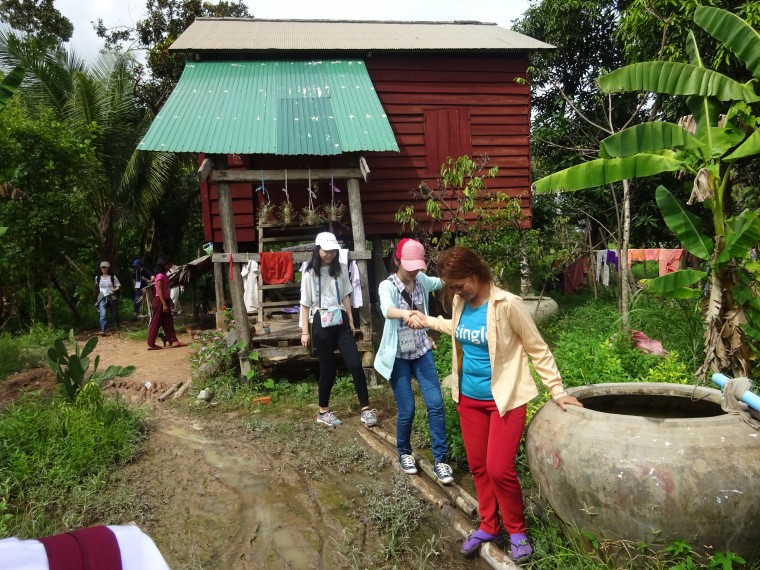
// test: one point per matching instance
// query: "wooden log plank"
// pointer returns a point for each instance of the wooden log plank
(205, 169)
(173, 388)
(466, 502)
(491, 553)
(181, 392)
(298, 256)
(294, 175)
(426, 489)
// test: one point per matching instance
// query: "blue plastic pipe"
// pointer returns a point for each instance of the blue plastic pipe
(749, 398)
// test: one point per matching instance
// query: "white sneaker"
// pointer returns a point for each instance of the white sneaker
(408, 465)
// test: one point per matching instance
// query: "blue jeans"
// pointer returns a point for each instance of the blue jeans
(111, 304)
(423, 368)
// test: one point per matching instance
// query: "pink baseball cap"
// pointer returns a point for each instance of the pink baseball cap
(411, 254)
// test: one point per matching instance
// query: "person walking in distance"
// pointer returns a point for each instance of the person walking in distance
(162, 311)
(405, 352)
(325, 305)
(140, 278)
(492, 337)
(108, 289)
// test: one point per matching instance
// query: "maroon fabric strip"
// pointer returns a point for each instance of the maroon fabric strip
(63, 552)
(100, 548)
(94, 548)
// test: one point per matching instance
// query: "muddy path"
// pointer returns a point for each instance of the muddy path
(237, 490)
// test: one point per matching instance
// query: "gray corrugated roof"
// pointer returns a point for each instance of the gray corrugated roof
(211, 34)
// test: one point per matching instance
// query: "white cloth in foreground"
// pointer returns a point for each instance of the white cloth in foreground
(137, 549)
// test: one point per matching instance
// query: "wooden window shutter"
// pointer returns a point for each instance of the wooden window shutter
(447, 134)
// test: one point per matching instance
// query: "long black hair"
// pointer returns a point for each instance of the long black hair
(161, 264)
(315, 263)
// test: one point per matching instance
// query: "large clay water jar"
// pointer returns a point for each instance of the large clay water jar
(650, 463)
(540, 308)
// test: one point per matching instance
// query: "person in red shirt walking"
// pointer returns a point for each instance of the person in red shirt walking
(162, 311)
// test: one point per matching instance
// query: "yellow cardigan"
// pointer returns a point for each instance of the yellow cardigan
(512, 337)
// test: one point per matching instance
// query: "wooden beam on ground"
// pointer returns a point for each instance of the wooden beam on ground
(205, 169)
(462, 524)
(294, 175)
(461, 498)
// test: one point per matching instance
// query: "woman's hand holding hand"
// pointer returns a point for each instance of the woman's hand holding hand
(567, 400)
(415, 320)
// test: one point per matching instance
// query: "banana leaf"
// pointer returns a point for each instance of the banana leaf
(687, 227)
(742, 233)
(9, 84)
(603, 171)
(675, 78)
(706, 112)
(719, 139)
(676, 284)
(647, 137)
(693, 50)
(749, 147)
(735, 33)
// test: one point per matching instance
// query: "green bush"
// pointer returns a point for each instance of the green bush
(51, 453)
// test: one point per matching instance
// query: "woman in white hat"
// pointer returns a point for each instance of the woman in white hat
(326, 310)
(108, 287)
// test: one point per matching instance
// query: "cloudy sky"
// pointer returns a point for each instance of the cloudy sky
(127, 12)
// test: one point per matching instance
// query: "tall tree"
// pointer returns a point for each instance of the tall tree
(38, 18)
(165, 21)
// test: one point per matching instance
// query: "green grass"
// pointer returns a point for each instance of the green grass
(55, 458)
(28, 350)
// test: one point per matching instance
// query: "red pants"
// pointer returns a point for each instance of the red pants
(161, 319)
(491, 442)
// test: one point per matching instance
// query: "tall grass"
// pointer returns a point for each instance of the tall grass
(54, 457)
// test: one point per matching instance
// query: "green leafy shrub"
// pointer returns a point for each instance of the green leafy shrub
(71, 369)
(51, 454)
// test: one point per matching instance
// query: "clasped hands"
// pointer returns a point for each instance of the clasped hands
(415, 320)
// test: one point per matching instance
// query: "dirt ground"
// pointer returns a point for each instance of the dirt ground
(216, 493)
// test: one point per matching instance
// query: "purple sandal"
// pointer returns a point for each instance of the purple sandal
(521, 548)
(475, 540)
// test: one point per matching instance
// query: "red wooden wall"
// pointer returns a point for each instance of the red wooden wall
(480, 89)
(438, 106)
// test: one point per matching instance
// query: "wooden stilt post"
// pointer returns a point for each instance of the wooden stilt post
(236, 279)
(360, 244)
(219, 294)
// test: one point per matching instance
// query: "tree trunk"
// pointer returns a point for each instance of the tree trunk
(623, 261)
(49, 298)
(71, 304)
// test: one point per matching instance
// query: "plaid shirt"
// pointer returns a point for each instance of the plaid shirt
(421, 339)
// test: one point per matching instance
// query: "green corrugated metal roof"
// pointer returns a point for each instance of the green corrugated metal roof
(272, 107)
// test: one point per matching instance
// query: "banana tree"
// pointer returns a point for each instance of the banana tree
(711, 152)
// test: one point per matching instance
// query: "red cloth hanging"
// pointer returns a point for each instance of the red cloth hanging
(670, 260)
(574, 275)
(276, 267)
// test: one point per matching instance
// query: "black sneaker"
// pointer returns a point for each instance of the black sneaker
(407, 463)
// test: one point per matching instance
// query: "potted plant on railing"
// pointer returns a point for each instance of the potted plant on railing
(334, 210)
(310, 216)
(286, 213)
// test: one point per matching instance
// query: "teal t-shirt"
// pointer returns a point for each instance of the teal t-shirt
(476, 364)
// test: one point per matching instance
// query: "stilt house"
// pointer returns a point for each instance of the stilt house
(337, 116)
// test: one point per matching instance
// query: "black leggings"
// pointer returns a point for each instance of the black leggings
(325, 342)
